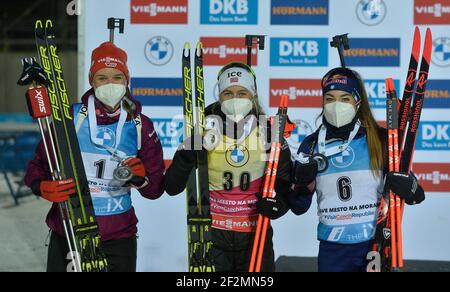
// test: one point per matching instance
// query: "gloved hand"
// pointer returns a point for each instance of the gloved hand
(137, 167)
(273, 208)
(57, 191)
(405, 186)
(305, 173)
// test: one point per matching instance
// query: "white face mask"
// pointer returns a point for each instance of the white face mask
(237, 108)
(339, 114)
(110, 94)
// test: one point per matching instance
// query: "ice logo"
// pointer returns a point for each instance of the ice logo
(441, 52)
(344, 159)
(371, 12)
(159, 50)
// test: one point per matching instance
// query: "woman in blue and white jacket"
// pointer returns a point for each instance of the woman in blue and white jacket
(345, 163)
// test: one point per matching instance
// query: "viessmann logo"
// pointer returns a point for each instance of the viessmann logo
(219, 51)
(433, 177)
(431, 12)
(302, 92)
(159, 11)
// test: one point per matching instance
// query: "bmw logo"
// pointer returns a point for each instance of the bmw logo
(441, 52)
(371, 12)
(159, 50)
(107, 137)
(237, 155)
(343, 159)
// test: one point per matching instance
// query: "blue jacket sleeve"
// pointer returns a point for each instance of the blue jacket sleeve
(300, 199)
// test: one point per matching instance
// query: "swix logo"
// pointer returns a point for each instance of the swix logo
(40, 100)
(431, 12)
(301, 92)
(433, 177)
(159, 11)
(434, 136)
(219, 51)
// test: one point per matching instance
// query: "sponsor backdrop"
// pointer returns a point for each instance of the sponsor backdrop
(297, 55)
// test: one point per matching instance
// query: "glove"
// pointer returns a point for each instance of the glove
(57, 191)
(405, 186)
(305, 173)
(273, 208)
(137, 167)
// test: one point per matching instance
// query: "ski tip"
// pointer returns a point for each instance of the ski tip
(199, 49)
(388, 82)
(391, 84)
(428, 47)
(187, 46)
(416, 43)
(284, 100)
(39, 24)
(48, 23)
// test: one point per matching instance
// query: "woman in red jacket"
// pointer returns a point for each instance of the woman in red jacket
(109, 129)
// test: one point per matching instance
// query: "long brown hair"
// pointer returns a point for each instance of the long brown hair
(364, 114)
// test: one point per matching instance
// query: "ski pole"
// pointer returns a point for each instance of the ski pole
(392, 121)
(39, 108)
(268, 187)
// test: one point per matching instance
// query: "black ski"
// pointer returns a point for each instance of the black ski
(69, 155)
(408, 91)
(408, 122)
(416, 109)
(197, 189)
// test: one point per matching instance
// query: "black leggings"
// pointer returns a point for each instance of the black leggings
(232, 251)
(121, 254)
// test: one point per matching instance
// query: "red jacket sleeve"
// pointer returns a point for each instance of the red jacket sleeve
(151, 154)
(37, 168)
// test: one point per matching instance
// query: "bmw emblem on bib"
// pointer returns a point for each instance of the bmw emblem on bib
(344, 159)
(107, 137)
(237, 156)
